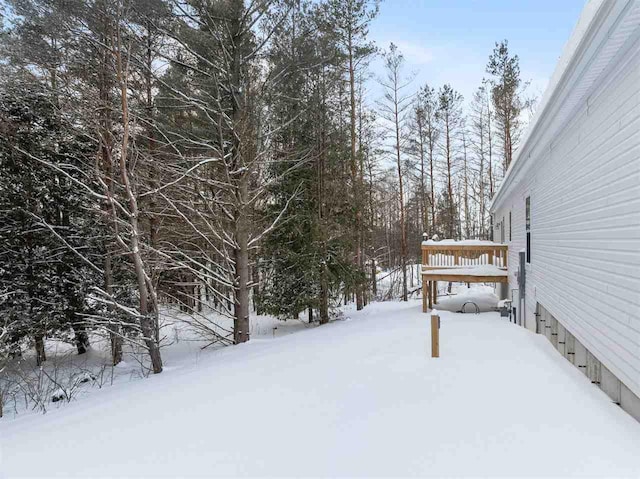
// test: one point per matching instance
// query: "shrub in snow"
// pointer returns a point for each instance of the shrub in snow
(58, 395)
(85, 377)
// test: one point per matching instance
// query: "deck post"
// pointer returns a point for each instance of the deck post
(434, 296)
(425, 295)
(435, 336)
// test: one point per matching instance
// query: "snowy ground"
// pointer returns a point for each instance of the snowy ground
(359, 397)
(27, 389)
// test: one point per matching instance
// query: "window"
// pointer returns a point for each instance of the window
(528, 228)
(502, 230)
(509, 225)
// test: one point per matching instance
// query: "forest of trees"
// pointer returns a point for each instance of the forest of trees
(224, 155)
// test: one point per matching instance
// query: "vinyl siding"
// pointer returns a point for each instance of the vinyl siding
(584, 184)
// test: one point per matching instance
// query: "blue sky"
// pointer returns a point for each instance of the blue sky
(449, 41)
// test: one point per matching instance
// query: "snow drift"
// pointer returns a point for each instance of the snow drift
(355, 398)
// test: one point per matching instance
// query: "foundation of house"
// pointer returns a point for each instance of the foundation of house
(578, 355)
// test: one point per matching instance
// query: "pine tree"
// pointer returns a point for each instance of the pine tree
(349, 22)
(292, 252)
(450, 118)
(424, 146)
(48, 225)
(480, 141)
(505, 93)
(394, 109)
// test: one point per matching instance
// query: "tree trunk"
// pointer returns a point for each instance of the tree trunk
(364, 290)
(467, 219)
(107, 173)
(481, 191)
(147, 324)
(424, 201)
(490, 146)
(14, 346)
(116, 346)
(449, 159)
(241, 330)
(354, 173)
(81, 338)
(324, 292)
(433, 188)
(241, 320)
(114, 329)
(255, 273)
(323, 308)
(41, 355)
(374, 282)
(403, 227)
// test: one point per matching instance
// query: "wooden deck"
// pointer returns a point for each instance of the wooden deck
(463, 262)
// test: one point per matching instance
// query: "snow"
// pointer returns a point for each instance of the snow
(504, 303)
(67, 376)
(452, 242)
(360, 397)
(480, 270)
(482, 297)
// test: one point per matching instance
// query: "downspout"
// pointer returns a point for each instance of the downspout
(522, 289)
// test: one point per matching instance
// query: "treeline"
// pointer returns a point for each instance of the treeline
(224, 155)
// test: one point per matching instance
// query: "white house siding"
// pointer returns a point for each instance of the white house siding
(584, 184)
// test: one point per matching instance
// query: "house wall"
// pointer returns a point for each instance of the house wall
(584, 185)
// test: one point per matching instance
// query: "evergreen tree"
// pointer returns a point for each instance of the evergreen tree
(348, 21)
(424, 147)
(394, 110)
(48, 223)
(505, 93)
(306, 261)
(290, 253)
(451, 122)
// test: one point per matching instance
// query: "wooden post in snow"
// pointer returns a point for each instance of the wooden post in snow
(434, 294)
(425, 295)
(435, 336)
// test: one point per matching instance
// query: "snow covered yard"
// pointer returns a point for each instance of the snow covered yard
(25, 388)
(359, 397)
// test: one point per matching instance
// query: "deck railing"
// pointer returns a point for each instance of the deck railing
(456, 254)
